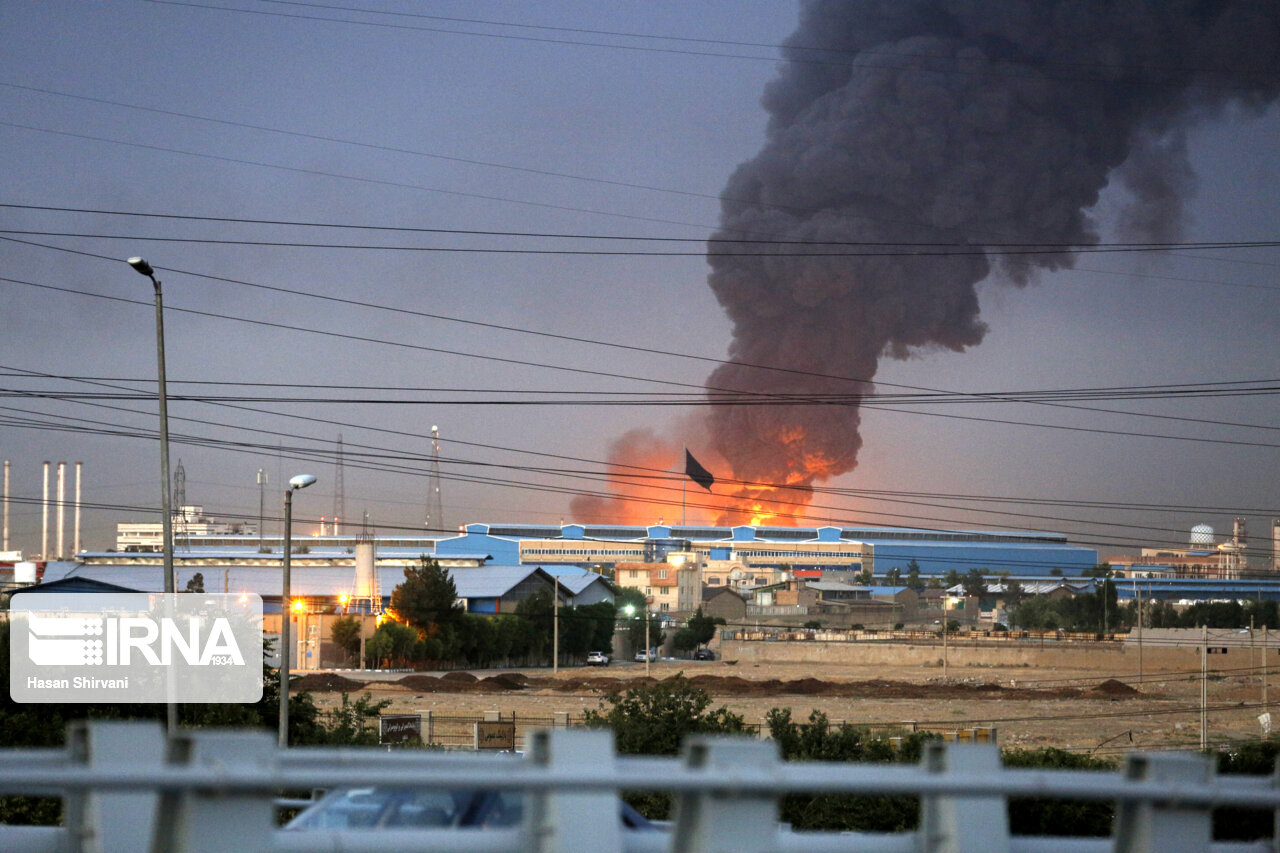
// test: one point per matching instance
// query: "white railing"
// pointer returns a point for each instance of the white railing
(127, 788)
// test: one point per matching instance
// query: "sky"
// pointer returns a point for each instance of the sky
(518, 199)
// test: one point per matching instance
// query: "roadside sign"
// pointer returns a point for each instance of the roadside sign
(400, 728)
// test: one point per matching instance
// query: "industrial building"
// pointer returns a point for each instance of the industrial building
(769, 549)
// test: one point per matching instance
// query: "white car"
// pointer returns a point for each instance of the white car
(597, 659)
(641, 657)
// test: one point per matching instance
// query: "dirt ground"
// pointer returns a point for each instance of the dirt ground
(1072, 709)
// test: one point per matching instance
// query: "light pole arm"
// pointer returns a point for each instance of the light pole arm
(166, 508)
(286, 614)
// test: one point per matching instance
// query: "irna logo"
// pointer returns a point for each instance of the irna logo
(105, 647)
(125, 640)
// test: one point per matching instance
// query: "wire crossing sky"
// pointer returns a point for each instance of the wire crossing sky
(537, 227)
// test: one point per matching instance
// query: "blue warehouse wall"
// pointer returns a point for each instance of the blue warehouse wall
(504, 551)
(1016, 559)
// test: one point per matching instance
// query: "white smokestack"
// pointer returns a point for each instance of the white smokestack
(5, 547)
(76, 549)
(44, 526)
(62, 479)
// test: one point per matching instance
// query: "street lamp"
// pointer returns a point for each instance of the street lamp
(299, 482)
(144, 268)
(630, 611)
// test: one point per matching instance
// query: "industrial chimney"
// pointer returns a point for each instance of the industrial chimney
(44, 510)
(76, 549)
(62, 476)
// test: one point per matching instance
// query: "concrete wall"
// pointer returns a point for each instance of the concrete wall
(1112, 658)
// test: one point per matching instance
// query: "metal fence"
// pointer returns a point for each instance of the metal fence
(975, 636)
(127, 788)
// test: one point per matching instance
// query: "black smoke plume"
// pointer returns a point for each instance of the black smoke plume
(966, 123)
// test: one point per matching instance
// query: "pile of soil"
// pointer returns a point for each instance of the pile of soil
(719, 686)
(325, 682)
(450, 682)
(461, 677)
(1112, 689)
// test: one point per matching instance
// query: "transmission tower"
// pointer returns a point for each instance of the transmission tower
(262, 504)
(180, 503)
(339, 490)
(435, 505)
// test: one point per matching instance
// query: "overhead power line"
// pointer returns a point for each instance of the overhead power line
(858, 250)
(605, 374)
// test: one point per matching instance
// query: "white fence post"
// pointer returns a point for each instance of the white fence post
(1164, 825)
(744, 822)
(101, 822)
(574, 820)
(957, 823)
(207, 819)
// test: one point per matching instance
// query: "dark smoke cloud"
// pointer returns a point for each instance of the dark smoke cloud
(976, 122)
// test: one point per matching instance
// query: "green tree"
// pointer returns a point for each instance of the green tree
(356, 723)
(196, 584)
(345, 633)
(627, 596)
(537, 612)
(913, 576)
(818, 740)
(654, 720)
(684, 640)
(975, 583)
(393, 644)
(893, 577)
(1255, 758)
(704, 627)
(1043, 816)
(426, 598)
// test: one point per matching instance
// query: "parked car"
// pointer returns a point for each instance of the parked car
(704, 654)
(391, 808)
(641, 658)
(597, 659)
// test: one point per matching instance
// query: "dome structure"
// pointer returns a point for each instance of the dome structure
(1202, 534)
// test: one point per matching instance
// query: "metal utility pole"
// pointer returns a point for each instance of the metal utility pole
(944, 646)
(648, 652)
(339, 491)
(166, 503)
(262, 505)
(1204, 687)
(434, 520)
(1137, 590)
(299, 482)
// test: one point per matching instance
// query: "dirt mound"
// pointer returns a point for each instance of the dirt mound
(809, 687)
(325, 682)
(738, 687)
(1113, 688)
(506, 681)
(459, 677)
(423, 684)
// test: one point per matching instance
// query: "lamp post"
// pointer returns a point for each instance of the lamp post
(166, 508)
(630, 611)
(144, 268)
(299, 482)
